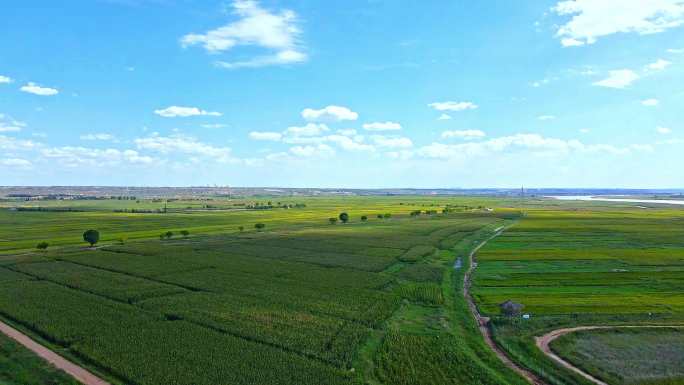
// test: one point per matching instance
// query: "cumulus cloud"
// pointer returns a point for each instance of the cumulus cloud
(184, 145)
(318, 151)
(658, 65)
(276, 32)
(33, 88)
(184, 112)
(329, 113)
(392, 142)
(453, 106)
(463, 134)
(98, 136)
(264, 135)
(311, 129)
(347, 132)
(7, 124)
(664, 130)
(591, 19)
(618, 79)
(5, 79)
(530, 143)
(382, 126)
(650, 102)
(71, 156)
(14, 144)
(349, 144)
(16, 163)
(444, 117)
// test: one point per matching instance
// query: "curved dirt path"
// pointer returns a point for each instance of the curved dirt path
(544, 341)
(77, 372)
(483, 322)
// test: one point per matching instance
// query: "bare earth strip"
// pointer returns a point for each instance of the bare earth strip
(79, 373)
(544, 341)
(483, 321)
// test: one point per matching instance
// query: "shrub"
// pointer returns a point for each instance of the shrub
(259, 226)
(185, 233)
(364, 218)
(42, 245)
(241, 228)
(168, 234)
(332, 220)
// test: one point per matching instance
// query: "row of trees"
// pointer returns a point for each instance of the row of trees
(344, 218)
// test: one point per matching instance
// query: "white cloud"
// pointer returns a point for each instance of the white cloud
(529, 143)
(658, 65)
(16, 162)
(320, 150)
(276, 32)
(546, 117)
(382, 126)
(444, 117)
(329, 113)
(77, 156)
(183, 144)
(184, 112)
(453, 106)
(675, 50)
(216, 125)
(650, 102)
(311, 129)
(7, 124)
(618, 79)
(463, 134)
(349, 144)
(13, 144)
(263, 135)
(664, 130)
(33, 88)
(347, 132)
(594, 19)
(98, 136)
(392, 142)
(5, 79)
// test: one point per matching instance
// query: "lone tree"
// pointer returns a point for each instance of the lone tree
(332, 220)
(379, 216)
(511, 309)
(344, 217)
(42, 245)
(185, 233)
(91, 236)
(168, 234)
(241, 228)
(364, 218)
(387, 215)
(259, 226)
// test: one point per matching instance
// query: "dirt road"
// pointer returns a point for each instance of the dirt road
(544, 341)
(77, 372)
(483, 321)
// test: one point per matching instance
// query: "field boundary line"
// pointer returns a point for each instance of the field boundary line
(77, 372)
(544, 342)
(483, 322)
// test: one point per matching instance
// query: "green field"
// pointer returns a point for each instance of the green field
(19, 366)
(302, 302)
(627, 356)
(574, 265)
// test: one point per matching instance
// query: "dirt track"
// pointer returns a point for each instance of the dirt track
(77, 372)
(544, 341)
(483, 321)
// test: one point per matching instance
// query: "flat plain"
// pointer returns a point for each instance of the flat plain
(308, 301)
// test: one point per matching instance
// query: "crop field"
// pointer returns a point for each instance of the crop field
(301, 302)
(19, 366)
(627, 356)
(603, 264)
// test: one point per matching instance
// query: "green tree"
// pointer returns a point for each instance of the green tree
(185, 233)
(344, 217)
(259, 226)
(380, 216)
(364, 218)
(387, 215)
(91, 236)
(241, 228)
(169, 234)
(162, 236)
(42, 245)
(332, 220)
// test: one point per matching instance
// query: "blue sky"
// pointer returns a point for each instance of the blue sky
(303, 93)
